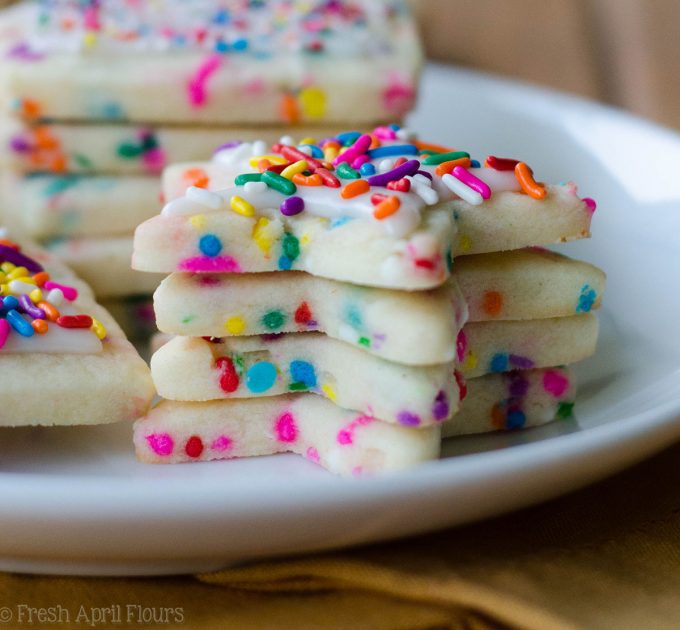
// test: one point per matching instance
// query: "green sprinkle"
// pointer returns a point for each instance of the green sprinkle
(275, 181)
(565, 410)
(274, 319)
(127, 150)
(244, 178)
(438, 158)
(291, 246)
(239, 364)
(345, 171)
(365, 341)
(82, 160)
(188, 319)
(296, 387)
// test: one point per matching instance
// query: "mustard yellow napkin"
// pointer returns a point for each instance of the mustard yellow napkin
(605, 557)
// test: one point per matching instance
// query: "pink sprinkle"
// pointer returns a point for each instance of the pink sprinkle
(344, 437)
(555, 383)
(70, 293)
(160, 443)
(362, 159)
(360, 147)
(4, 331)
(286, 429)
(385, 133)
(91, 19)
(461, 346)
(313, 455)
(357, 471)
(207, 264)
(154, 160)
(254, 87)
(398, 98)
(471, 181)
(196, 88)
(221, 443)
(592, 205)
(209, 281)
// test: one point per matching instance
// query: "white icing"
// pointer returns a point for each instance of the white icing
(183, 206)
(204, 197)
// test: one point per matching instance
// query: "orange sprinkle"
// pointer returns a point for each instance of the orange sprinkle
(30, 108)
(526, 180)
(196, 177)
(263, 165)
(51, 312)
(310, 180)
(58, 164)
(289, 109)
(492, 303)
(41, 278)
(44, 139)
(355, 188)
(332, 144)
(428, 146)
(375, 142)
(40, 326)
(447, 167)
(386, 208)
(7, 243)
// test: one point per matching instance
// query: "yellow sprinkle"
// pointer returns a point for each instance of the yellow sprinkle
(89, 39)
(240, 206)
(263, 240)
(304, 239)
(4, 289)
(98, 328)
(273, 159)
(198, 221)
(308, 141)
(329, 392)
(36, 296)
(330, 153)
(313, 101)
(235, 325)
(7, 267)
(470, 362)
(464, 243)
(17, 272)
(294, 169)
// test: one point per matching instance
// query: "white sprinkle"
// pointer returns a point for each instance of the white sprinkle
(405, 134)
(462, 190)
(252, 188)
(428, 194)
(204, 197)
(287, 141)
(306, 149)
(182, 206)
(55, 297)
(385, 165)
(259, 147)
(233, 154)
(421, 179)
(17, 286)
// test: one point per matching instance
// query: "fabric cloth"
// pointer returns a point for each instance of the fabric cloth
(605, 557)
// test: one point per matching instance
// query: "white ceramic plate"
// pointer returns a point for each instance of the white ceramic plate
(75, 500)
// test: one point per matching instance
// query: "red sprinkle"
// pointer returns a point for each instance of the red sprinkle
(303, 314)
(462, 385)
(402, 185)
(74, 321)
(399, 162)
(378, 198)
(295, 155)
(426, 263)
(194, 446)
(277, 168)
(327, 177)
(229, 378)
(501, 164)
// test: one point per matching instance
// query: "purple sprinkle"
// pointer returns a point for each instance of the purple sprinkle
(9, 254)
(519, 387)
(271, 336)
(440, 408)
(425, 173)
(292, 206)
(26, 305)
(23, 51)
(228, 145)
(19, 144)
(519, 362)
(408, 418)
(407, 168)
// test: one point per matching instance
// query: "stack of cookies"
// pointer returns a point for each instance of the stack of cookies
(101, 96)
(322, 269)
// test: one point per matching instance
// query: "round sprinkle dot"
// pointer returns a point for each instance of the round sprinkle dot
(285, 428)
(235, 325)
(221, 443)
(260, 377)
(407, 418)
(555, 383)
(303, 372)
(210, 245)
(274, 320)
(492, 303)
(292, 206)
(499, 363)
(194, 446)
(160, 443)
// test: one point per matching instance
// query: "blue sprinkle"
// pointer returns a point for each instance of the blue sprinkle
(58, 185)
(303, 372)
(112, 111)
(367, 169)
(221, 47)
(316, 151)
(10, 302)
(260, 377)
(515, 419)
(394, 127)
(393, 149)
(221, 17)
(586, 299)
(499, 363)
(210, 245)
(285, 263)
(348, 137)
(353, 316)
(339, 221)
(240, 45)
(19, 324)
(475, 164)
